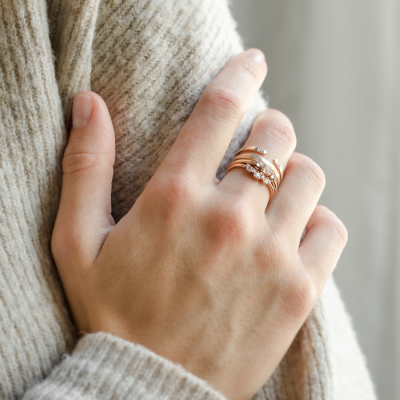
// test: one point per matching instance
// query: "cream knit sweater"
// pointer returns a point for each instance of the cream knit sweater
(150, 60)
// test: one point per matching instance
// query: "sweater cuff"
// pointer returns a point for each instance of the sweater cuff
(104, 367)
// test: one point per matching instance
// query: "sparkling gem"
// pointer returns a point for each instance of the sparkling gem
(258, 165)
(257, 175)
(272, 175)
(267, 170)
(258, 149)
(248, 167)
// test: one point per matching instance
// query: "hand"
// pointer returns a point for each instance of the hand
(201, 272)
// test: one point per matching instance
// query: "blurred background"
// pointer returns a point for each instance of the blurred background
(334, 69)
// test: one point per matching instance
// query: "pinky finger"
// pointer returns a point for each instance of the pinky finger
(323, 243)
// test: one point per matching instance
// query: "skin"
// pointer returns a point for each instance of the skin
(199, 271)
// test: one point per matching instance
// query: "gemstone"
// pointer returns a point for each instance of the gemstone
(248, 167)
(272, 175)
(261, 150)
(257, 175)
(267, 170)
(258, 165)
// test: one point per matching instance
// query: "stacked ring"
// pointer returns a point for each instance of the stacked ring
(270, 174)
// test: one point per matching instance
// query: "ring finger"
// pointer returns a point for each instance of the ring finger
(273, 132)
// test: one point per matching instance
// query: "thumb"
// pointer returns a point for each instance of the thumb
(84, 217)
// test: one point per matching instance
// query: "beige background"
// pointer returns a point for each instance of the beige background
(334, 69)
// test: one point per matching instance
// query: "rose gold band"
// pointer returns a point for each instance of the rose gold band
(270, 184)
(252, 148)
(270, 174)
(266, 166)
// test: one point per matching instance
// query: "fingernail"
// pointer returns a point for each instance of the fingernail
(256, 55)
(81, 110)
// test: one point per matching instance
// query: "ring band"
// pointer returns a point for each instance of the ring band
(268, 167)
(252, 148)
(259, 176)
(266, 172)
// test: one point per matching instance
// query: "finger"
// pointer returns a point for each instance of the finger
(84, 216)
(203, 140)
(272, 131)
(324, 241)
(297, 197)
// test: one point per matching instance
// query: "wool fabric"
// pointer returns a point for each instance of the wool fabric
(150, 60)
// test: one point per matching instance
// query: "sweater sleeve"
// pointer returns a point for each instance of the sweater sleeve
(104, 367)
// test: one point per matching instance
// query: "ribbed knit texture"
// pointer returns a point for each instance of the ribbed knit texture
(150, 60)
(97, 371)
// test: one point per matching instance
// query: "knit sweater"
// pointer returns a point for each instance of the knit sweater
(150, 60)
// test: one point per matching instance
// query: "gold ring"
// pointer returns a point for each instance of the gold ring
(266, 166)
(258, 175)
(252, 148)
(266, 172)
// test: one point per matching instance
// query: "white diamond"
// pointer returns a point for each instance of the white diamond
(258, 149)
(272, 175)
(257, 175)
(258, 165)
(248, 167)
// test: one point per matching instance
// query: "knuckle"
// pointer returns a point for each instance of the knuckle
(280, 129)
(252, 69)
(225, 100)
(73, 163)
(300, 292)
(174, 192)
(88, 149)
(65, 242)
(232, 223)
(337, 230)
(313, 172)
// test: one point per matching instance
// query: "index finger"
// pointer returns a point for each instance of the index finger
(203, 140)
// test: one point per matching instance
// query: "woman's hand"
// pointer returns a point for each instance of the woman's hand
(198, 271)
